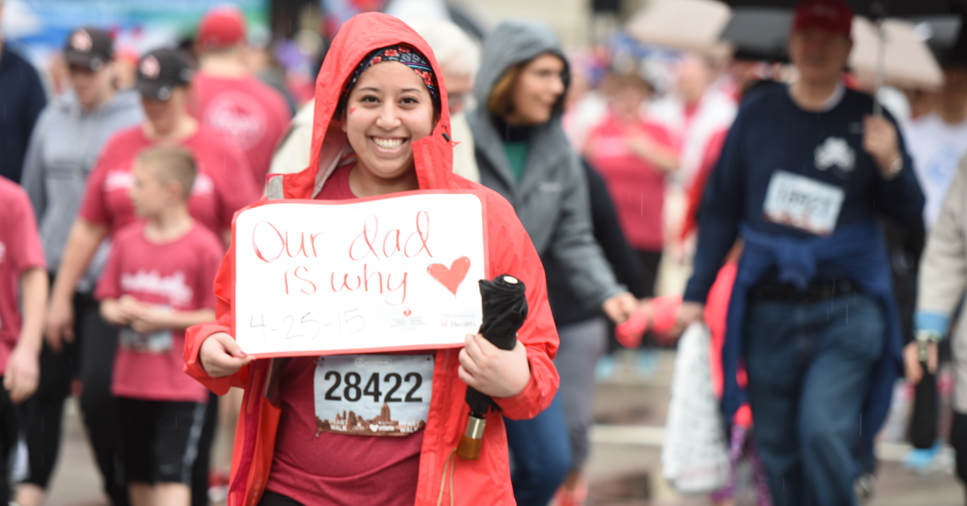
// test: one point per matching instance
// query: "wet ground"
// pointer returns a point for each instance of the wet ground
(624, 467)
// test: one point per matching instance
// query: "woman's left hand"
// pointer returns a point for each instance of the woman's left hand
(492, 371)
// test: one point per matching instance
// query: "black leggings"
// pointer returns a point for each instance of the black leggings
(649, 261)
(90, 358)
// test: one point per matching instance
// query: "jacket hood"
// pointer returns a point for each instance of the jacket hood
(432, 155)
(514, 42)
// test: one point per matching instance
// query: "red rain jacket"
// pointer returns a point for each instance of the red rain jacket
(480, 482)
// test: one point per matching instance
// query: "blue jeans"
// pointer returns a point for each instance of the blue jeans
(540, 454)
(809, 369)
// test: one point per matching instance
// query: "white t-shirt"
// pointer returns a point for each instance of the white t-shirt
(935, 147)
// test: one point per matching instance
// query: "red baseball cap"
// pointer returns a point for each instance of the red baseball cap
(221, 27)
(833, 16)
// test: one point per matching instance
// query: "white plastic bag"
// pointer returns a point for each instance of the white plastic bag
(694, 455)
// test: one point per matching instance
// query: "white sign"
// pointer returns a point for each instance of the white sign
(361, 276)
(800, 202)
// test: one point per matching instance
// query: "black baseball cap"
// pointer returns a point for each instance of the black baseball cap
(88, 48)
(160, 72)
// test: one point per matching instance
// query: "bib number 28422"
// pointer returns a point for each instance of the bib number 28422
(373, 395)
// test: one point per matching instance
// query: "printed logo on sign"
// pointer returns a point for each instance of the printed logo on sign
(173, 287)
(236, 114)
(835, 151)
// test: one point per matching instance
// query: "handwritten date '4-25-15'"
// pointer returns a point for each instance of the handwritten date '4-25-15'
(311, 325)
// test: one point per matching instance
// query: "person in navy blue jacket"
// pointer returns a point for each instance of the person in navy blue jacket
(21, 100)
(804, 173)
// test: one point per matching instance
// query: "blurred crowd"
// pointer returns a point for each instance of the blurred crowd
(813, 247)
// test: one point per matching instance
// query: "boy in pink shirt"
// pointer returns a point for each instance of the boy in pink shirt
(22, 268)
(158, 282)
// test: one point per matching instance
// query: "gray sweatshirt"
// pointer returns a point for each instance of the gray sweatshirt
(551, 199)
(62, 152)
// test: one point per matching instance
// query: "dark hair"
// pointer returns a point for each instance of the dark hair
(501, 100)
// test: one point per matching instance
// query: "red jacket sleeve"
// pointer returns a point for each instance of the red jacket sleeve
(511, 252)
(196, 335)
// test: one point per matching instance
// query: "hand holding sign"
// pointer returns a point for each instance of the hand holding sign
(221, 356)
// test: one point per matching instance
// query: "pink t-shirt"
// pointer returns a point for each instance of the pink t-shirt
(180, 275)
(20, 251)
(636, 186)
(252, 114)
(217, 194)
(314, 467)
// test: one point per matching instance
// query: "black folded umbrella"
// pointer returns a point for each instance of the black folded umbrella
(923, 422)
(504, 303)
(504, 311)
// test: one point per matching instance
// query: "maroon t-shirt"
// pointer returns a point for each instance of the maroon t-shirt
(316, 468)
(178, 275)
(636, 186)
(220, 186)
(20, 251)
(252, 114)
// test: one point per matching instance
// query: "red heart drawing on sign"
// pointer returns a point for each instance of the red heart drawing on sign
(407, 312)
(452, 277)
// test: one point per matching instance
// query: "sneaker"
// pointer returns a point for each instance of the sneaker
(865, 487)
(604, 369)
(923, 460)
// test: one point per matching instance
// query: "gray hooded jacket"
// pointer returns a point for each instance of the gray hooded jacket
(551, 199)
(63, 150)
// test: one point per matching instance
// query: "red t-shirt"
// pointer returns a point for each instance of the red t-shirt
(20, 251)
(250, 113)
(636, 186)
(334, 468)
(217, 194)
(179, 274)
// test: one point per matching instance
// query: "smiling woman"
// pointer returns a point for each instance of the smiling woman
(388, 109)
(381, 126)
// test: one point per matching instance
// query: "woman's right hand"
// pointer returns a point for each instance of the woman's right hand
(221, 356)
(60, 324)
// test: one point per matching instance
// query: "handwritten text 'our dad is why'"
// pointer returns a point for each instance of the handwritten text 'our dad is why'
(373, 253)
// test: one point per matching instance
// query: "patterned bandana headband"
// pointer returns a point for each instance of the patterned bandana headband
(402, 54)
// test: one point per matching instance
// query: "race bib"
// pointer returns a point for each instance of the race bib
(803, 203)
(155, 342)
(373, 395)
